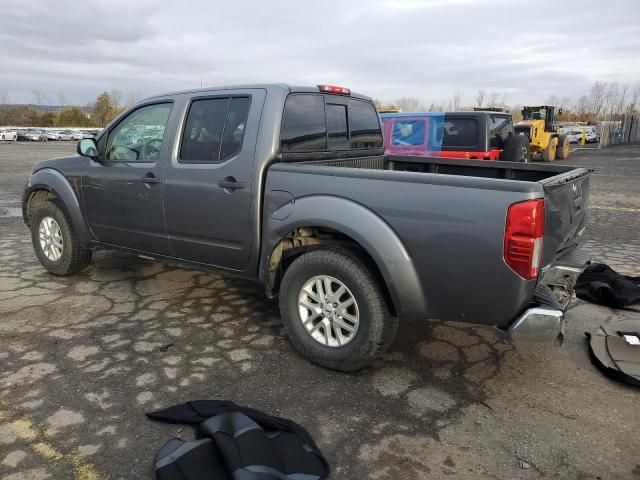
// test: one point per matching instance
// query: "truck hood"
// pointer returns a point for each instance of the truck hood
(62, 164)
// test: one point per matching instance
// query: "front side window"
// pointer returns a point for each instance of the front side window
(139, 137)
(408, 132)
(214, 129)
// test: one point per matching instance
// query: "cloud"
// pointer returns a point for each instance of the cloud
(385, 48)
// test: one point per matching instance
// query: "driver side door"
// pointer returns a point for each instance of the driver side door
(123, 190)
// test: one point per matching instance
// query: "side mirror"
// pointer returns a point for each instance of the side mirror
(87, 147)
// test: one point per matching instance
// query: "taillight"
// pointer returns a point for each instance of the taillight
(334, 89)
(523, 235)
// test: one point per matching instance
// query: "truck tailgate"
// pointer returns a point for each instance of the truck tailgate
(566, 200)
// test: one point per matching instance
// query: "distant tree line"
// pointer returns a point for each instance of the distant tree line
(605, 100)
(96, 114)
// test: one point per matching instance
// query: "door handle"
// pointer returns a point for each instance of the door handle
(151, 178)
(230, 183)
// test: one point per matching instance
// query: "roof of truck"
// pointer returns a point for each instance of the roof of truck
(440, 114)
(266, 86)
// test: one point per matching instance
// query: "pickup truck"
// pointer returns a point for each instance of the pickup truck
(289, 186)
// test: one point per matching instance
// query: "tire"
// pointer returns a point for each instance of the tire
(375, 329)
(73, 257)
(516, 149)
(2, 138)
(549, 153)
(562, 151)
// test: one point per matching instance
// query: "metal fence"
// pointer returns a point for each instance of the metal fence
(619, 130)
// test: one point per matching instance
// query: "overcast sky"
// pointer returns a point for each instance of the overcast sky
(383, 48)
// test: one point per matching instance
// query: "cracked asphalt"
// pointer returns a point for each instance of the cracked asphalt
(83, 357)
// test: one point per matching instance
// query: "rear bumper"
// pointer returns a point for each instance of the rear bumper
(544, 321)
(538, 325)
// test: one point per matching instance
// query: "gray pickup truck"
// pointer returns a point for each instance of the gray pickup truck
(289, 186)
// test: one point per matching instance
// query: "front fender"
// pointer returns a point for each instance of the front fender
(53, 181)
(365, 227)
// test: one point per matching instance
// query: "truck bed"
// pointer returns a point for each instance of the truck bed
(450, 215)
(528, 172)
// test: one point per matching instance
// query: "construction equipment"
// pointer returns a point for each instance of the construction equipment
(538, 124)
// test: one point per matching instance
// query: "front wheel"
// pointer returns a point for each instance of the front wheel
(55, 241)
(334, 310)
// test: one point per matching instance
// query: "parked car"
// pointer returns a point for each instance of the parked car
(574, 134)
(63, 135)
(36, 135)
(90, 134)
(8, 135)
(480, 135)
(21, 135)
(76, 135)
(290, 186)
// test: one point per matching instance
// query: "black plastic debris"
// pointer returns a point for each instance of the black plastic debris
(615, 349)
(599, 283)
(234, 442)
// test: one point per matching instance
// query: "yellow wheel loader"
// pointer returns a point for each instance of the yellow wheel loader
(538, 124)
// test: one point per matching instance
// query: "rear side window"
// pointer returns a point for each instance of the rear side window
(214, 129)
(364, 125)
(408, 133)
(304, 127)
(459, 132)
(308, 125)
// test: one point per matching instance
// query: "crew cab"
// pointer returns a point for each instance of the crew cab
(477, 135)
(289, 186)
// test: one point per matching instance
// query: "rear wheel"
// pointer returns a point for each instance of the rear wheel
(334, 310)
(549, 153)
(55, 241)
(516, 149)
(563, 147)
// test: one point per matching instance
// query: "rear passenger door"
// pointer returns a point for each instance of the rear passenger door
(209, 179)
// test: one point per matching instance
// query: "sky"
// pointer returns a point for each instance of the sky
(387, 49)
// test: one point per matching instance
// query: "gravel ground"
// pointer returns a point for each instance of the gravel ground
(82, 358)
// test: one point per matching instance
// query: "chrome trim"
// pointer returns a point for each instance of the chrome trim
(538, 325)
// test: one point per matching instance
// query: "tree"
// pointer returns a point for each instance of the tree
(597, 98)
(103, 109)
(73, 117)
(39, 97)
(493, 98)
(632, 106)
(409, 104)
(455, 101)
(46, 119)
(480, 96)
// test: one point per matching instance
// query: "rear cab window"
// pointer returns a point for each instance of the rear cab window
(214, 129)
(317, 122)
